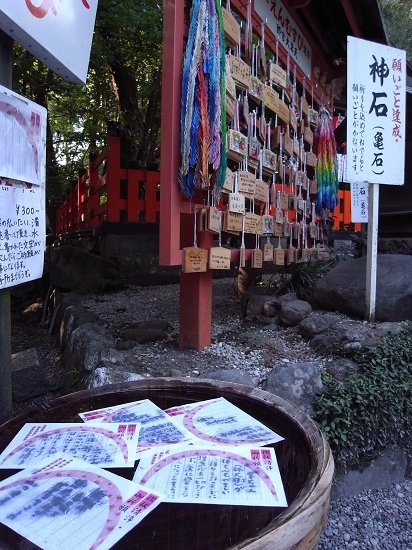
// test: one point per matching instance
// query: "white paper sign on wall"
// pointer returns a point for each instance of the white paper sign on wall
(359, 202)
(22, 233)
(23, 131)
(58, 32)
(376, 87)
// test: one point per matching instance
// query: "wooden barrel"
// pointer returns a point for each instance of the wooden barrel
(304, 457)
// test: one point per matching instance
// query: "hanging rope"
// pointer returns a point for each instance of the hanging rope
(203, 106)
(327, 168)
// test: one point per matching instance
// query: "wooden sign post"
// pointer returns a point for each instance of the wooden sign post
(372, 251)
(6, 47)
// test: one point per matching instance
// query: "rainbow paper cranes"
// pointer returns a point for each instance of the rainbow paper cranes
(327, 169)
(203, 107)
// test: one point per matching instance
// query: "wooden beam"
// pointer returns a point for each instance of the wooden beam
(6, 64)
(351, 17)
(170, 197)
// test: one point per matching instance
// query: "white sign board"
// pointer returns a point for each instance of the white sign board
(23, 131)
(22, 232)
(58, 32)
(376, 87)
(359, 202)
(282, 25)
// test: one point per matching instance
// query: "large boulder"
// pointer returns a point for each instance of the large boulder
(298, 383)
(343, 288)
(28, 377)
(77, 269)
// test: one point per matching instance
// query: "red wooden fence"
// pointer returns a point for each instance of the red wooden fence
(107, 192)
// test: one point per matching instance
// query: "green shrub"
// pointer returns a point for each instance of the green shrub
(369, 410)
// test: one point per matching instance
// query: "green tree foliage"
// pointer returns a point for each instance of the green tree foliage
(397, 15)
(123, 85)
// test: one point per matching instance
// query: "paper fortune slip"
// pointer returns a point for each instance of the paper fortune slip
(213, 475)
(218, 421)
(157, 427)
(106, 445)
(68, 504)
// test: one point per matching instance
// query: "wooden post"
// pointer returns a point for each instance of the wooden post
(6, 68)
(195, 314)
(372, 251)
(170, 197)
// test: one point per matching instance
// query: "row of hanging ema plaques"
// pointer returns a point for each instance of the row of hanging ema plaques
(270, 187)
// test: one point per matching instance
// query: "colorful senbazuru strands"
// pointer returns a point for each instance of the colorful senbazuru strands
(203, 106)
(327, 168)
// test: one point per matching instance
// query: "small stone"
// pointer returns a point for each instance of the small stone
(346, 537)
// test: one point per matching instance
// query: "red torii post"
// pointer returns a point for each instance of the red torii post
(176, 218)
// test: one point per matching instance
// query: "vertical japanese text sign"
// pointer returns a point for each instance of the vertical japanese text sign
(58, 32)
(376, 87)
(22, 189)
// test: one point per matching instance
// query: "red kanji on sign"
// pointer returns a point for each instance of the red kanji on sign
(42, 10)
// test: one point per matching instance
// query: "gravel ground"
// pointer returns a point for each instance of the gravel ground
(378, 519)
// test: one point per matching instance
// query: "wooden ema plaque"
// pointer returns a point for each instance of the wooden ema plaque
(257, 88)
(313, 187)
(283, 111)
(213, 220)
(236, 203)
(261, 191)
(219, 258)
(308, 135)
(284, 201)
(246, 183)
(240, 71)
(228, 183)
(311, 159)
(293, 120)
(279, 256)
(279, 216)
(230, 107)
(267, 224)
(232, 222)
(231, 27)
(288, 144)
(271, 100)
(253, 223)
(277, 75)
(268, 252)
(278, 229)
(257, 258)
(254, 148)
(230, 86)
(194, 260)
(291, 255)
(304, 106)
(269, 160)
(296, 147)
(237, 146)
